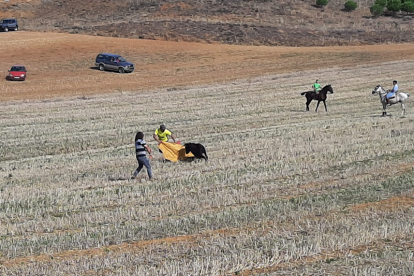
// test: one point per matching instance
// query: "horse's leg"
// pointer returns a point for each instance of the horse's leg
(403, 108)
(325, 106)
(384, 107)
(308, 100)
(316, 110)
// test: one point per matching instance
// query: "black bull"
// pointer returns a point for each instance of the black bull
(198, 150)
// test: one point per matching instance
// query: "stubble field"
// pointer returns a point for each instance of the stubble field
(286, 192)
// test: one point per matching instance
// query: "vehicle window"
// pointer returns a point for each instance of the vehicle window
(106, 59)
(18, 69)
(121, 59)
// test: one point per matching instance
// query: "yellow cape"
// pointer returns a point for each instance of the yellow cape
(173, 151)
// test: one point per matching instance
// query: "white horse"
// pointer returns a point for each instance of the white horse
(399, 97)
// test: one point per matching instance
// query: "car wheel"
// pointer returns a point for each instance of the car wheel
(6, 29)
(121, 70)
(101, 67)
(16, 29)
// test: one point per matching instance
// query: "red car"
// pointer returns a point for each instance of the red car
(17, 72)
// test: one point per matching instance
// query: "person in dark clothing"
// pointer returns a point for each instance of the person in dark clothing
(140, 148)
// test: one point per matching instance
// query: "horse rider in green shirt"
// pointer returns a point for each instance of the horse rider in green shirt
(316, 87)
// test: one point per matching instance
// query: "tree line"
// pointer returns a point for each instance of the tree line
(391, 6)
(380, 7)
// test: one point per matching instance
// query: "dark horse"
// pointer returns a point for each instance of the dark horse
(320, 97)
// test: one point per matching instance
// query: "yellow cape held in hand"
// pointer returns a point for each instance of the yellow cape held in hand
(174, 151)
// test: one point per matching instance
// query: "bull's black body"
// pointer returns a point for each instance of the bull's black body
(198, 150)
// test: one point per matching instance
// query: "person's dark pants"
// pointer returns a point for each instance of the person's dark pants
(143, 161)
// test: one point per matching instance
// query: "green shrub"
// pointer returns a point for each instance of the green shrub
(394, 5)
(350, 5)
(381, 3)
(377, 10)
(408, 7)
(322, 2)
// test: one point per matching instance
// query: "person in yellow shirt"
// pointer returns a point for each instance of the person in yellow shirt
(162, 134)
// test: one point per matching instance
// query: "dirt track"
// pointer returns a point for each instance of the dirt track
(63, 64)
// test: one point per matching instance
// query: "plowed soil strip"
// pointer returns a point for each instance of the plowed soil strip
(396, 169)
(399, 202)
(379, 245)
(391, 204)
(63, 65)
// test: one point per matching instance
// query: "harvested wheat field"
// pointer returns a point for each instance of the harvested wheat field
(285, 192)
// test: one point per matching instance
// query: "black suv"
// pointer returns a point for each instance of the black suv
(9, 24)
(113, 62)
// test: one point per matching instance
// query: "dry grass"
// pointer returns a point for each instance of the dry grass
(285, 191)
(282, 22)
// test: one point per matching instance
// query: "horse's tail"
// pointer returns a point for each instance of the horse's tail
(408, 95)
(303, 93)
